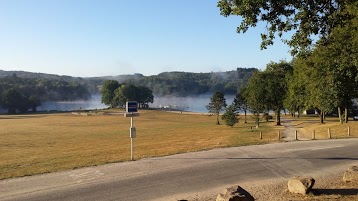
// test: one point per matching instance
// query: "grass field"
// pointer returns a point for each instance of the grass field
(40, 143)
(309, 124)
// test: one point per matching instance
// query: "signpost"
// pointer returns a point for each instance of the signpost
(132, 111)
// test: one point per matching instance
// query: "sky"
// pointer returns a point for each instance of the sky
(89, 38)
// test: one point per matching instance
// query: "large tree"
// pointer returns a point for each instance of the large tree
(240, 102)
(304, 18)
(14, 101)
(217, 104)
(267, 90)
(108, 92)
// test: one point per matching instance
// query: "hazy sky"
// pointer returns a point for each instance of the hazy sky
(104, 37)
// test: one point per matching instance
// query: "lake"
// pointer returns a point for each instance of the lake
(193, 104)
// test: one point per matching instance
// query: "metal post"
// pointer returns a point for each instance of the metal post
(329, 133)
(132, 142)
(260, 134)
(295, 134)
(349, 131)
(313, 135)
(278, 133)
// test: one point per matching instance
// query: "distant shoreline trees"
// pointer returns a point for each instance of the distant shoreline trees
(19, 94)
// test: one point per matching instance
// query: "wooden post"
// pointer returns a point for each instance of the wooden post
(349, 131)
(295, 134)
(329, 133)
(278, 133)
(260, 135)
(313, 135)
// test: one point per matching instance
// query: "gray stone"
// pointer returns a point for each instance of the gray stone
(301, 185)
(351, 175)
(234, 194)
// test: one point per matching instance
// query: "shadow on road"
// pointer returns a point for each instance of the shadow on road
(335, 191)
(256, 158)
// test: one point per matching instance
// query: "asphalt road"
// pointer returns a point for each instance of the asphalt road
(179, 176)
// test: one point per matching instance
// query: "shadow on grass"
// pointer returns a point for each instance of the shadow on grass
(344, 191)
(21, 116)
(31, 115)
(256, 158)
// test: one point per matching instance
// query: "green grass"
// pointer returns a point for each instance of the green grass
(41, 143)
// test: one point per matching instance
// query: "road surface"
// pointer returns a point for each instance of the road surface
(186, 175)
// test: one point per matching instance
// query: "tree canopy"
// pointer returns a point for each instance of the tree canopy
(217, 104)
(304, 18)
(115, 94)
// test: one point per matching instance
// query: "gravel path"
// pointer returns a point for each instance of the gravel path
(289, 132)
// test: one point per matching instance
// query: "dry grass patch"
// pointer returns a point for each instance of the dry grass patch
(337, 129)
(34, 144)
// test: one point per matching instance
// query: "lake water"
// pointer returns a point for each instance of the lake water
(193, 104)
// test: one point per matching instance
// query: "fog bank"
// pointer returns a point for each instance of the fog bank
(92, 104)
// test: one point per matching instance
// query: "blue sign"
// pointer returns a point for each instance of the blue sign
(131, 106)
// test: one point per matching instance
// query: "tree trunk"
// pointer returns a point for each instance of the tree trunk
(217, 119)
(346, 115)
(245, 117)
(340, 115)
(278, 118)
(321, 115)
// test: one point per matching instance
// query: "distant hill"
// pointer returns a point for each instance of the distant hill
(25, 74)
(163, 84)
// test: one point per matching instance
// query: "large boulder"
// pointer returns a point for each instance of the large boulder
(351, 175)
(301, 185)
(235, 194)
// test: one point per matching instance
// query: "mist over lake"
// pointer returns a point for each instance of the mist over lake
(192, 103)
(92, 104)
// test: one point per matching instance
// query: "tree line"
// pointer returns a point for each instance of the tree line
(163, 84)
(22, 94)
(323, 74)
(187, 83)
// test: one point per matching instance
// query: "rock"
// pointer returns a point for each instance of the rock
(351, 175)
(300, 185)
(235, 194)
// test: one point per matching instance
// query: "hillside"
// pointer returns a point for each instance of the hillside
(163, 84)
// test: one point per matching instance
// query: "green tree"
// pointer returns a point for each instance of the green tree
(255, 94)
(320, 89)
(230, 117)
(126, 92)
(145, 96)
(267, 90)
(108, 93)
(129, 92)
(12, 100)
(306, 18)
(217, 103)
(34, 102)
(295, 100)
(240, 102)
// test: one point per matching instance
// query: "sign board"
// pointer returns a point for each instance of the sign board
(131, 114)
(131, 106)
(132, 132)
